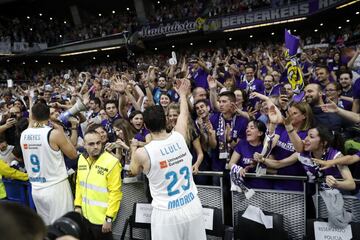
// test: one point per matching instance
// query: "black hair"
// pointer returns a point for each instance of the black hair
(40, 111)
(332, 138)
(93, 127)
(250, 66)
(111, 102)
(205, 101)
(347, 71)
(154, 118)
(228, 94)
(96, 101)
(261, 127)
(134, 113)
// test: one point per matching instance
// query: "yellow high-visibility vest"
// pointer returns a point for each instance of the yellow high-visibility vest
(92, 182)
(7, 171)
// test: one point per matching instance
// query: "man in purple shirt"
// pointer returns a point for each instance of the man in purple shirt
(322, 76)
(251, 84)
(345, 80)
(200, 72)
(229, 129)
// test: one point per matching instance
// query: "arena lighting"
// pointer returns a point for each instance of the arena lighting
(8, 60)
(94, 58)
(348, 20)
(78, 53)
(49, 63)
(51, 19)
(36, 61)
(113, 12)
(99, 14)
(347, 4)
(209, 41)
(357, 13)
(128, 9)
(251, 36)
(7, 54)
(321, 24)
(230, 38)
(62, 61)
(173, 46)
(109, 48)
(107, 55)
(294, 30)
(191, 44)
(23, 63)
(272, 33)
(40, 14)
(266, 24)
(28, 17)
(315, 30)
(155, 49)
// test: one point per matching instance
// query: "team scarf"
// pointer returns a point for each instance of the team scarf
(223, 144)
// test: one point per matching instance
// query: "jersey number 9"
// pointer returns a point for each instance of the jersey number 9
(35, 162)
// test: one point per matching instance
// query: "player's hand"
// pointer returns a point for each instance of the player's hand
(106, 227)
(195, 168)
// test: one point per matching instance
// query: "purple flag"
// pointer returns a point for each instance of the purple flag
(291, 43)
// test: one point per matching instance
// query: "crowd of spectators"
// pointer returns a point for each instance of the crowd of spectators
(36, 29)
(177, 10)
(238, 96)
(218, 7)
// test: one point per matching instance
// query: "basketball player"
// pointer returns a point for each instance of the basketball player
(166, 160)
(43, 149)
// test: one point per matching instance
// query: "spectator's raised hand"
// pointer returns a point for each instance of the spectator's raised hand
(212, 82)
(329, 107)
(274, 114)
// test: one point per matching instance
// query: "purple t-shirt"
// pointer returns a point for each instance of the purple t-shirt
(253, 86)
(313, 171)
(238, 131)
(246, 152)
(283, 149)
(141, 135)
(356, 89)
(200, 77)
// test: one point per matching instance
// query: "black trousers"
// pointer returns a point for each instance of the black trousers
(95, 233)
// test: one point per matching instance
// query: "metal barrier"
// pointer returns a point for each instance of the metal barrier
(290, 204)
(132, 192)
(351, 204)
(211, 196)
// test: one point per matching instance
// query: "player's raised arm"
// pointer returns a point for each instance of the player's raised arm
(182, 121)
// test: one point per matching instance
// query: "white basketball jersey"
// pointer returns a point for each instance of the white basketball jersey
(170, 174)
(44, 165)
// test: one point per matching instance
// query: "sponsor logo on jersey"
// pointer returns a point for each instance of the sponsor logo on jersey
(26, 146)
(163, 164)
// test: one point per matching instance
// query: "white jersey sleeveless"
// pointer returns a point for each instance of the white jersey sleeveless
(170, 175)
(44, 165)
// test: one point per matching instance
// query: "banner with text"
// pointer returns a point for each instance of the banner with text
(276, 14)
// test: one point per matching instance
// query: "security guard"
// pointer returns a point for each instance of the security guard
(9, 172)
(98, 187)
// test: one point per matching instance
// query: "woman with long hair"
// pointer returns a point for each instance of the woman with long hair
(244, 151)
(319, 143)
(299, 120)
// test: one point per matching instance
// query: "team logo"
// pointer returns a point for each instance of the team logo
(163, 164)
(25, 146)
